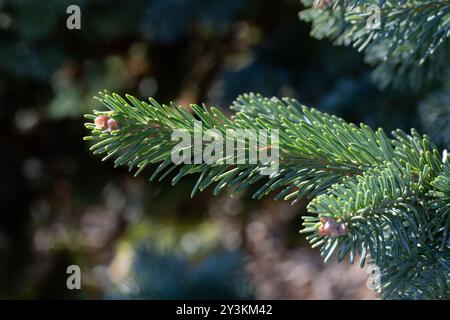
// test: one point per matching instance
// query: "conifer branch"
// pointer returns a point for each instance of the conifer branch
(386, 200)
(408, 47)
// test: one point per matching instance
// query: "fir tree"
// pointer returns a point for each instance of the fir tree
(382, 199)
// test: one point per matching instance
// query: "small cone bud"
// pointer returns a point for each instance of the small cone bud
(322, 231)
(101, 122)
(331, 228)
(112, 124)
(327, 227)
(321, 4)
(342, 229)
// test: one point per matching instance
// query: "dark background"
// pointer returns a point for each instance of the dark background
(60, 205)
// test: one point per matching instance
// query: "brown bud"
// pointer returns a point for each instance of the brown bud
(331, 228)
(322, 231)
(322, 4)
(342, 229)
(112, 124)
(101, 122)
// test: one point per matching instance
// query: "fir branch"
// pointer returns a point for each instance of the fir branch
(380, 198)
(410, 46)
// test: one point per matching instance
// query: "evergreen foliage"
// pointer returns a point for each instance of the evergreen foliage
(409, 47)
(379, 199)
(390, 194)
(435, 114)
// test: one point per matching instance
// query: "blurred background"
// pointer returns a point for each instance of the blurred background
(60, 205)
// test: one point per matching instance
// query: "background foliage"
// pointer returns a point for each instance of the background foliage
(60, 207)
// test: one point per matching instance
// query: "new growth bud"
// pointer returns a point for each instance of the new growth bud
(104, 122)
(331, 228)
(322, 4)
(101, 122)
(112, 124)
